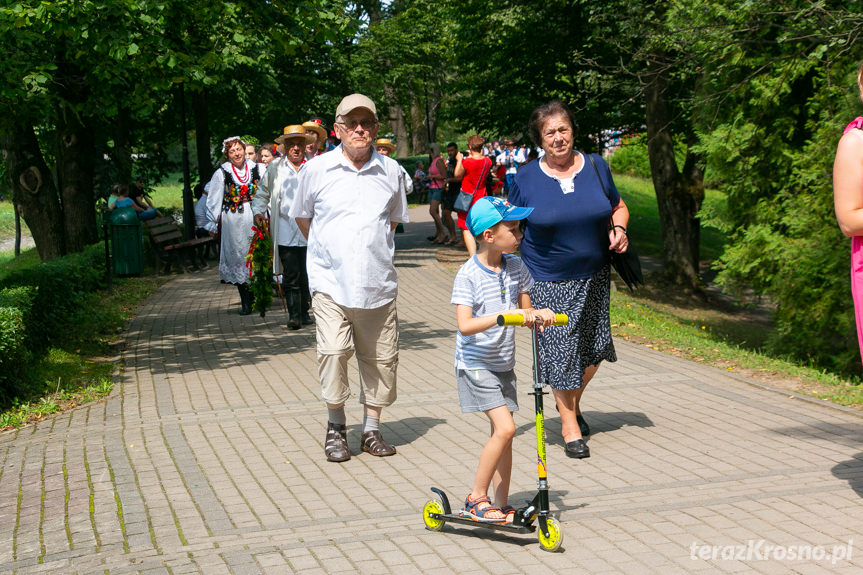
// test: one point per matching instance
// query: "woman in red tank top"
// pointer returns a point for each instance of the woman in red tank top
(474, 170)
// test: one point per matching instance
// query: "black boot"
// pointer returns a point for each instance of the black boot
(295, 304)
(307, 318)
(245, 299)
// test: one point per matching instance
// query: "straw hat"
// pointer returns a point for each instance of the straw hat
(296, 132)
(316, 125)
(385, 143)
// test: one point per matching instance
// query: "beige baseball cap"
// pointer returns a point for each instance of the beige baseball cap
(354, 101)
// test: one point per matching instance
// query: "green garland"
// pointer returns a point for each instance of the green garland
(260, 264)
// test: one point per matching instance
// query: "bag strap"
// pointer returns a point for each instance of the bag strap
(481, 175)
(598, 177)
(604, 190)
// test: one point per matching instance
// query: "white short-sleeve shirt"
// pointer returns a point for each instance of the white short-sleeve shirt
(351, 243)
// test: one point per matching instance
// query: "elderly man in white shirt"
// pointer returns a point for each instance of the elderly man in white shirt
(348, 205)
(276, 194)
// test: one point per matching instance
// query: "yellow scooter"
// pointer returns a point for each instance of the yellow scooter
(437, 511)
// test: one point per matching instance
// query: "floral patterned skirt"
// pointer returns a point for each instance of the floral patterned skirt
(565, 352)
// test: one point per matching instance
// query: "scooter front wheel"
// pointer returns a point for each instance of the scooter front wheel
(555, 535)
(433, 523)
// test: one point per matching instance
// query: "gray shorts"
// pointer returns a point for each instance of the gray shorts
(481, 390)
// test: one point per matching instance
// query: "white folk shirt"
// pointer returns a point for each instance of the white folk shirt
(351, 243)
(283, 230)
(289, 231)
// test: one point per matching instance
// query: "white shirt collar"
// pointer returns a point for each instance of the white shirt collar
(337, 158)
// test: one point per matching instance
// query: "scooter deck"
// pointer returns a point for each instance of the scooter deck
(450, 517)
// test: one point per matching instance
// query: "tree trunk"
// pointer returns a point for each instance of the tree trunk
(34, 190)
(17, 227)
(400, 132)
(433, 101)
(122, 155)
(202, 136)
(419, 130)
(678, 195)
(75, 164)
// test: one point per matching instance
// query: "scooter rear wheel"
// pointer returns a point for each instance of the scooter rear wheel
(555, 535)
(432, 523)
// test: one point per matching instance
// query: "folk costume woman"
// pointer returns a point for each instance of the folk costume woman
(229, 212)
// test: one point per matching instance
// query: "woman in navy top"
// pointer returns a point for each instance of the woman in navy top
(566, 247)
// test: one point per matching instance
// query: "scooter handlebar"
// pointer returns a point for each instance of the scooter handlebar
(518, 319)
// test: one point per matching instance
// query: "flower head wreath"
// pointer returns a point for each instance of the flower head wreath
(226, 141)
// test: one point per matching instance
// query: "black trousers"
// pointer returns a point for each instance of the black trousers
(294, 275)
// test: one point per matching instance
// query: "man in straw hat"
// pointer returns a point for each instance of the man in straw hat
(315, 125)
(385, 147)
(348, 204)
(276, 194)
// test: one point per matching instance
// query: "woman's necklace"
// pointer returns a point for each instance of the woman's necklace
(245, 177)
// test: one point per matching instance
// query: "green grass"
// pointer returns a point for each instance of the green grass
(728, 339)
(9, 263)
(81, 370)
(706, 329)
(7, 220)
(644, 226)
(169, 192)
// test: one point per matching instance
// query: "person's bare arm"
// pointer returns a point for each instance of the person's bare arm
(848, 184)
(304, 224)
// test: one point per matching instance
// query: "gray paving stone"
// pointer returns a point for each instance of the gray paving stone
(211, 447)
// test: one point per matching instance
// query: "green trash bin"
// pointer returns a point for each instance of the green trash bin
(127, 244)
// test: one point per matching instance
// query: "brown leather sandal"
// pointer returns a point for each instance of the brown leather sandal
(376, 445)
(336, 443)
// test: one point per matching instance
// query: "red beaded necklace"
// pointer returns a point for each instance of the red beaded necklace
(245, 177)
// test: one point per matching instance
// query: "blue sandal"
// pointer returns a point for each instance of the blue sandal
(472, 510)
(509, 512)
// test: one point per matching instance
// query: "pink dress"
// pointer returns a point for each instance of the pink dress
(857, 258)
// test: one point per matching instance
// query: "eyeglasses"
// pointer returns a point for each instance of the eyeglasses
(350, 124)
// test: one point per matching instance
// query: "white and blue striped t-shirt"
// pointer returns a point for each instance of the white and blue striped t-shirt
(487, 293)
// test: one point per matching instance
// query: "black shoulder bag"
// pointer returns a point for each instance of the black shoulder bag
(626, 264)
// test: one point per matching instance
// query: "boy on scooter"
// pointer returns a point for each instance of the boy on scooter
(491, 283)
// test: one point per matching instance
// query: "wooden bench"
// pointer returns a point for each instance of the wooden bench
(169, 244)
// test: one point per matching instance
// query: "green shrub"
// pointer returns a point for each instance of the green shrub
(631, 157)
(58, 288)
(15, 303)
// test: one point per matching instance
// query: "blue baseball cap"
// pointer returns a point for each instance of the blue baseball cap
(487, 211)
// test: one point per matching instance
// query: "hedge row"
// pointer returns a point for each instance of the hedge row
(38, 306)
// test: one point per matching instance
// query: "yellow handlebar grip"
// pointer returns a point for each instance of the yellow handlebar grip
(510, 319)
(518, 319)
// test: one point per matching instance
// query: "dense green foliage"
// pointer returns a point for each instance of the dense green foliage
(103, 84)
(779, 103)
(631, 158)
(15, 304)
(41, 306)
(753, 96)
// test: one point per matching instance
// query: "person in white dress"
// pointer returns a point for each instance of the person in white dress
(231, 189)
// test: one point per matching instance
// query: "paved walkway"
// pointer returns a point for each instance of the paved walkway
(207, 458)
